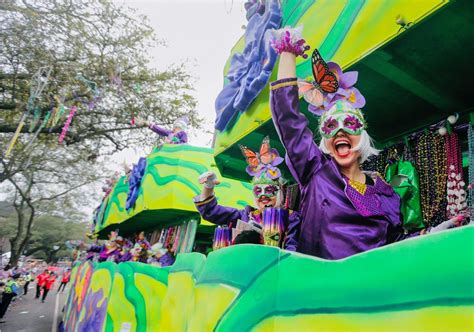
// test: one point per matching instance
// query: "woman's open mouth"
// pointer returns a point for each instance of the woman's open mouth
(267, 202)
(342, 147)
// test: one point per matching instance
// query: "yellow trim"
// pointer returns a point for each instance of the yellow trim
(282, 85)
(207, 200)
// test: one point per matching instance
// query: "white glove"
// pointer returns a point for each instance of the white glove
(208, 179)
(447, 224)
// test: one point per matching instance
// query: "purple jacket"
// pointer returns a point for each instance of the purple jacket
(337, 221)
(171, 138)
(223, 215)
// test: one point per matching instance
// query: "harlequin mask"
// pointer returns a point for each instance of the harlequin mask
(268, 190)
(341, 116)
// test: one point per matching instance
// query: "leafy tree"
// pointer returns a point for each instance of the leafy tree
(87, 55)
(48, 236)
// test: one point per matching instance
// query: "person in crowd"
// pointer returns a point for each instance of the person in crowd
(160, 256)
(65, 279)
(268, 193)
(124, 255)
(40, 281)
(168, 257)
(10, 290)
(140, 249)
(344, 209)
(27, 279)
(176, 136)
(48, 284)
(108, 251)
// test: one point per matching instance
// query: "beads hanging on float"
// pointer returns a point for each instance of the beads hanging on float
(470, 138)
(430, 160)
(456, 195)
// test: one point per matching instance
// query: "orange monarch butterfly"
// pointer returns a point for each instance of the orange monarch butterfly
(325, 81)
(265, 160)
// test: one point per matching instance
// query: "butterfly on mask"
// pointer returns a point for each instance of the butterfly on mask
(325, 81)
(264, 161)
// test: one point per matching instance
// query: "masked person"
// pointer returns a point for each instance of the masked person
(160, 256)
(344, 210)
(267, 190)
(176, 136)
(108, 251)
(140, 249)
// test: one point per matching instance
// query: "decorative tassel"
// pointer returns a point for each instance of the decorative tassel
(58, 114)
(15, 136)
(222, 237)
(66, 125)
(36, 118)
(45, 121)
(51, 117)
(273, 226)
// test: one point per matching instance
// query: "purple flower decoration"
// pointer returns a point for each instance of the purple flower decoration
(317, 110)
(134, 182)
(253, 7)
(250, 70)
(267, 164)
(346, 90)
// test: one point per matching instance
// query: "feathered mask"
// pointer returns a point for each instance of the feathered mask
(262, 165)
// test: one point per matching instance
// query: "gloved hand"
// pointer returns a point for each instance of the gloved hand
(208, 179)
(453, 222)
(289, 40)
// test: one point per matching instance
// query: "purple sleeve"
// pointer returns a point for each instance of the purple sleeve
(293, 231)
(398, 234)
(160, 130)
(217, 214)
(303, 156)
(182, 136)
(96, 248)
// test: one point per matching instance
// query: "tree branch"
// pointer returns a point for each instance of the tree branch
(61, 193)
(25, 129)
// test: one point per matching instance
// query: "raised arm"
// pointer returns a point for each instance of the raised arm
(303, 156)
(159, 130)
(206, 203)
(215, 213)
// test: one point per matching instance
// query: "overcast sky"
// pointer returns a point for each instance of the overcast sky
(200, 33)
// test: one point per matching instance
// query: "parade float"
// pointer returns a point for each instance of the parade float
(405, 53)
(158, 194)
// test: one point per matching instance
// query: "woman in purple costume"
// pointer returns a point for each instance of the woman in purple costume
(344, 210)
(267, 190)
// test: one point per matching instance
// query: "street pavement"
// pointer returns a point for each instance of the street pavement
(28, 314)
